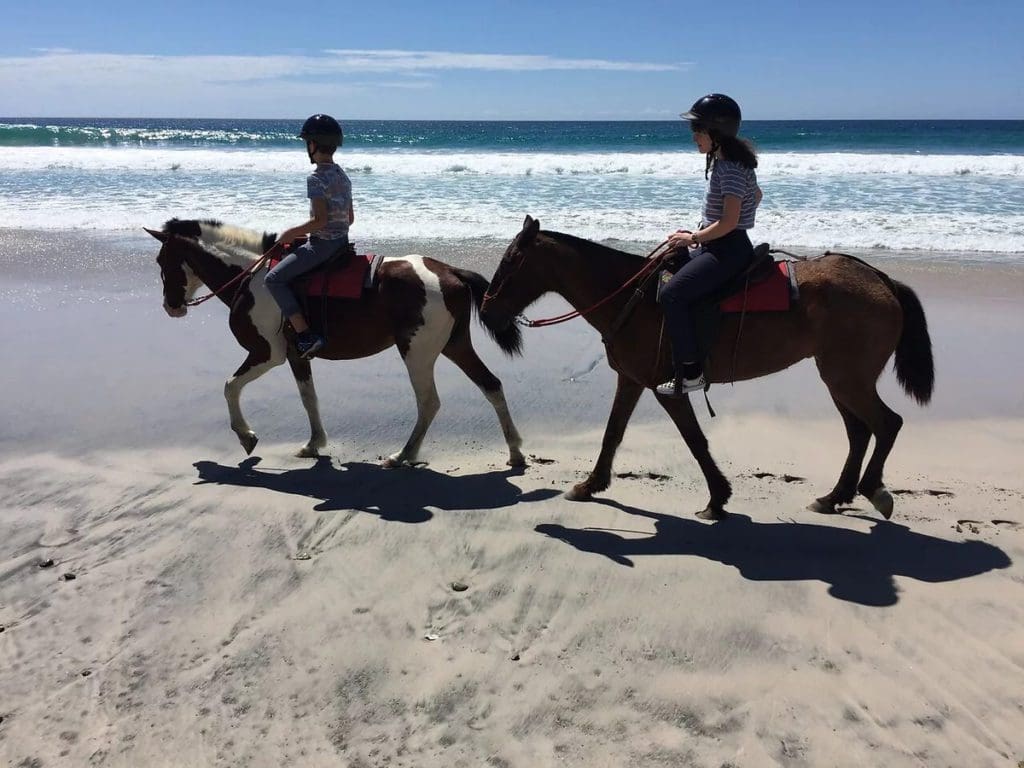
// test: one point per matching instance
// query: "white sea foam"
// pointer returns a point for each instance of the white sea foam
(932, 202)
(411, 163)
(453, 219)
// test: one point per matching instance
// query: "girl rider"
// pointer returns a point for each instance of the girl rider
(721, 248)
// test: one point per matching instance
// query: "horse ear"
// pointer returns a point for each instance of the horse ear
(530, 228)
(161, 236)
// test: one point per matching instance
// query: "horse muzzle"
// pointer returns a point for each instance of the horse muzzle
(176, 311)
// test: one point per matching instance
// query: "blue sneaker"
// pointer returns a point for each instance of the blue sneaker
(308, 344)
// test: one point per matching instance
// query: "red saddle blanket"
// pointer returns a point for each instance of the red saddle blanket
(770, 295)
(344, 282)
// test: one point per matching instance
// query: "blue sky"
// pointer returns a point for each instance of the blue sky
(487, 59)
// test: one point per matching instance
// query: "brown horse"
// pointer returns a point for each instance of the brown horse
(418, 304)
(850, 318)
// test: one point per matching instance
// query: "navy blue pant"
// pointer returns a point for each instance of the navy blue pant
(711, 265)
(307, 256)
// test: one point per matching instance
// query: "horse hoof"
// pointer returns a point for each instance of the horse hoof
(392, 463)
(823, 506)
(882, 501)
(307, 452)
(579, 492)
(712, 513)
(516, 460)
(248, 442)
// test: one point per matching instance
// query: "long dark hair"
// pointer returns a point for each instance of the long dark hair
(731, 148)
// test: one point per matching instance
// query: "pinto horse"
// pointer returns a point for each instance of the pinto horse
(850, 317)
(418, 304)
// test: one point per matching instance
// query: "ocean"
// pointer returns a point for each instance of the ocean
(921, 187)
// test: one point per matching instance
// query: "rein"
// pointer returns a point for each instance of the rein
(237, 278)
(652, 262)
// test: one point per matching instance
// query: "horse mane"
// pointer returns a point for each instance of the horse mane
(223, 237)
(587, 245)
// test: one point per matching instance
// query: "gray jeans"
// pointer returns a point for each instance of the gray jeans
(307, 256)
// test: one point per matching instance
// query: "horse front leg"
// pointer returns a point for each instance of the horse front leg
(303, 373)
(681, 412)
(254, 366)
(627, 394)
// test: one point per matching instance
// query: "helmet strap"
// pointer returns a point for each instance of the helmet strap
(311, 150)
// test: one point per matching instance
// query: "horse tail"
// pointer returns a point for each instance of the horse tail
(509, 339)
(915, 368)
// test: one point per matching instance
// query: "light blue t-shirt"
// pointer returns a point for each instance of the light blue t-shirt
(331, 183)
(730, 178)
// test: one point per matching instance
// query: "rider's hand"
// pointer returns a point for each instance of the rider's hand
(681, 239)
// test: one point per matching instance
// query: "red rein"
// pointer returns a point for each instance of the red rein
(237, 278)
(651, 264)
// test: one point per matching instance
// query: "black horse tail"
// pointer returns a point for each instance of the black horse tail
(509, 339)
(915, 369)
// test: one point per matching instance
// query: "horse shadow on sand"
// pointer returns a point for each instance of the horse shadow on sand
(398, 495)
(858, 566)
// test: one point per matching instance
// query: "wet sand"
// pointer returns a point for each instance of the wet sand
(271, 610)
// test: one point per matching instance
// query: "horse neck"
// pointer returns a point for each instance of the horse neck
(584, 273)
(215, 266)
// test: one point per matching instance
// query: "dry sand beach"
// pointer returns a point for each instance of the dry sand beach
(167, 601)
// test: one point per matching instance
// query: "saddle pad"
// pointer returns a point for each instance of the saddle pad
(770, 295)
(345, 282)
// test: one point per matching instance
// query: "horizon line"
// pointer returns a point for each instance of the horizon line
(528, 119)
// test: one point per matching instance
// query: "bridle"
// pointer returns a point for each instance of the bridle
(651, 262)
(233, 281)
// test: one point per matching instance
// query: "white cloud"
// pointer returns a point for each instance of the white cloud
(404, 61)
(77, 68)
(57, 81)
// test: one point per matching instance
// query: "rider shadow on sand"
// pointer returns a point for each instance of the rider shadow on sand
(396, 495)
(858, 566)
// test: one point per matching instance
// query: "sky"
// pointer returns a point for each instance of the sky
(505, 60)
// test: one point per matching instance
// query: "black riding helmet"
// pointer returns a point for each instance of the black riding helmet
(323, 131)
(715, 113)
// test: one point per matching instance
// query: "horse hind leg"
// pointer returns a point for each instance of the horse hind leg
(254, 366)
(303, 373)
(460, 351)
(419, 361)
(889, 424)
(859, 395)
(859, 436)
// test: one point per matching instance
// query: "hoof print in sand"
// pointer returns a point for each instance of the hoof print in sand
(642, 475)
(975, 526)
(786, 478)
(922, 492)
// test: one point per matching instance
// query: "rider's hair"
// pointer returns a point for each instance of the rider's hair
(732, 148)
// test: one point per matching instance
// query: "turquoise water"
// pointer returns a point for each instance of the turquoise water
(902, 185)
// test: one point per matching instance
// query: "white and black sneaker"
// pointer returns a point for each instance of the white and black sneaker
(680, 386)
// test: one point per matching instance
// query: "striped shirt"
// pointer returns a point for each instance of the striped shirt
(730, 178)
(330, 182)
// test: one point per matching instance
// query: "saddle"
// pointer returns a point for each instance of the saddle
(765, 285)
(346, 275)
